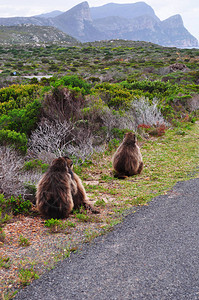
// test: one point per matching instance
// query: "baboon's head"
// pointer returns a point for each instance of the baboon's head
(130, 138)
(59, 165)
(69, 162)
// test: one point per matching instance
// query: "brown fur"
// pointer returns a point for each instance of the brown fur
(60, 190)
(79, 194)
(127, 160)
(53, 196)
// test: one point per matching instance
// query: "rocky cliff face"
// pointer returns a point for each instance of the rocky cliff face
(176, 34)
(135, 21)
(77, 22)
(143, 26)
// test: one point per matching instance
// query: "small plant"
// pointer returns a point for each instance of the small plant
(2, 235)
(54, 225)
(71, 224)
(4, 219)
(23, 241)
(5, 262)
(100, 202)
(90, 234)
(66, 253)
(19, 205)
(81, 215)
(27, 275)
(158, 130)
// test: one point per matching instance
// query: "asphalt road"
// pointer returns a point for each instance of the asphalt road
(153, 254)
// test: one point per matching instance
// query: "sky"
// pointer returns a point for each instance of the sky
(188, 9)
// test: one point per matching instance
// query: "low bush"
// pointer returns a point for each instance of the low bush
(18, 205)
(22, 120)
(35, 164)
(14, 139)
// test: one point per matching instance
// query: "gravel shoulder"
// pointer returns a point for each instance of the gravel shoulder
(153, 254)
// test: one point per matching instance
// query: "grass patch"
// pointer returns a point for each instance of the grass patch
(167, 160)
(5, 262)
(27, 275)
(55, 225)
(24, 242)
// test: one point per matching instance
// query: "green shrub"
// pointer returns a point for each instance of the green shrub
(15, 139)
(19, 93)
(22, 120)
(114, 95)
(52, 222)
(119, 133)
(35, 164)
(5, 107)
(74, 81)
(18, 205)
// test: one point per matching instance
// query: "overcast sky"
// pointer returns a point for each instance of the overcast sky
(188, 9)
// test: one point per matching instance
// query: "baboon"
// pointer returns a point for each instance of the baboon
(127, 160)
(53, 196)
(60, 190)
(79, 194)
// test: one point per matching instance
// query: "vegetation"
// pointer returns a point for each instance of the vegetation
(96, 93)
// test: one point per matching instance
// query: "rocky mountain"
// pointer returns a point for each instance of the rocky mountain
(136, 21)
(78, 23)
(127, 11)
(31, 34)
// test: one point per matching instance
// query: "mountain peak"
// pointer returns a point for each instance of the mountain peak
(80, 11)
(174, 21)
(128, 11)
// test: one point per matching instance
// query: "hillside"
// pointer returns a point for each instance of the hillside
(31, 34)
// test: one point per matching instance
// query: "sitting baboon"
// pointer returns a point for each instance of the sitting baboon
(79, 194)
(60, 190)
(127, 160)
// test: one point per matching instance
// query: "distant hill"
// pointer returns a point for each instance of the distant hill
(22, 34)
(135, 21)
(51, 14)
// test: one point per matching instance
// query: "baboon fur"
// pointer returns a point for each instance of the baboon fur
(79, 195)
(127, 160)
(60, 190)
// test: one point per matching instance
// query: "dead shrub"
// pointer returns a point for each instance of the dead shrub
(63, 104)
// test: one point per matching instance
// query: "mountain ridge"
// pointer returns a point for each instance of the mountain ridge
(135, 21)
